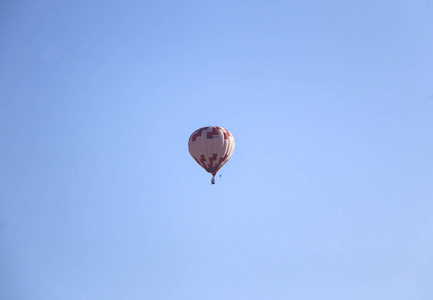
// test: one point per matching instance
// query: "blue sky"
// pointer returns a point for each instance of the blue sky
(328, 194)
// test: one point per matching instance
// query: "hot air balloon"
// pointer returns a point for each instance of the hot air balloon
(211, 147)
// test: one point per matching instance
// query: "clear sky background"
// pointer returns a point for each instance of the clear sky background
(328, 194)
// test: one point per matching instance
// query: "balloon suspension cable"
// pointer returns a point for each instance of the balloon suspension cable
(212, 180)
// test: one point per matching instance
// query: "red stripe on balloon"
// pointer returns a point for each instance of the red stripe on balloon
(197, 134)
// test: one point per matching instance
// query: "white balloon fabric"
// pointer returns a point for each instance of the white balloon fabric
(211, 147)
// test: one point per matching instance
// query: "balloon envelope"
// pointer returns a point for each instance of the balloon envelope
(211, 147)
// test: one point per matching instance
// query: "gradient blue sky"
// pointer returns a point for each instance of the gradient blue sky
(328, 194)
